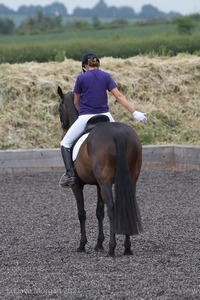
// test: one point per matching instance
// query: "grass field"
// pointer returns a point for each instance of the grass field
(128, 31)
(167, 89)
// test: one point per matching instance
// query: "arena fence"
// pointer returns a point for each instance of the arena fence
(174, 157)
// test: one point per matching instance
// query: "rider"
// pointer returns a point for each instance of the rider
(90, 99)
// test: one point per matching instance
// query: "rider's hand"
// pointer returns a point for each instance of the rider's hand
(140, 116)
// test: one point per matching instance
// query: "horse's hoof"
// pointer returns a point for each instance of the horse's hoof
(98, 248)
(110, 254)
(128, 252)
(80, 249)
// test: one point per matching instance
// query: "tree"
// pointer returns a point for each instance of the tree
(96, 23)
(6, 26)
(5, 10)
(52, 10)
(185, 24)
(41, 23)
(55, 9)
(150, 12)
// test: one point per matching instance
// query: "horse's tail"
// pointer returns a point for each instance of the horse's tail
(127, 214)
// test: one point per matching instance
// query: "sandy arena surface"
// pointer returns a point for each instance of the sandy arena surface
(39, 235)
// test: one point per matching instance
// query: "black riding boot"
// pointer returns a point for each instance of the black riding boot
(68, 179)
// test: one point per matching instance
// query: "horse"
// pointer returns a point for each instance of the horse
(110, 156)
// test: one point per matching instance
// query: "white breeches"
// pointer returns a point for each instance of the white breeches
(77, 129)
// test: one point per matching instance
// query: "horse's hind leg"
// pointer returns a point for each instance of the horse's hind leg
(100, 217)
(127, 245)
(78, 193)
(106, 192)
(112, 242)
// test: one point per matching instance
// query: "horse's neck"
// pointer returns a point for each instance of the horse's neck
(72, 113)
(72, 120)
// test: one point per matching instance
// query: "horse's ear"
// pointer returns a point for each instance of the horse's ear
(60, 92)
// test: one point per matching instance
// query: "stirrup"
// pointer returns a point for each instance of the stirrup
(66, 181)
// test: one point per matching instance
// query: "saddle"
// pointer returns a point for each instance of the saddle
(94, 121)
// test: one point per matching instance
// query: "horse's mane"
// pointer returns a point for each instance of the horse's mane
(67, 111)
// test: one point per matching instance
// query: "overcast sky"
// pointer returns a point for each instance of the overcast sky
(182, 6)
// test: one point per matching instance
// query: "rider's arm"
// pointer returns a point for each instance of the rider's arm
(121, 99)
(77, 101)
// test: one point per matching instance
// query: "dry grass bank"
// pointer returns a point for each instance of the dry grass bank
(167, 89)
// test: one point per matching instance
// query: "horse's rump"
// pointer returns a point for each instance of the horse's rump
(102, 149)
(98, 153)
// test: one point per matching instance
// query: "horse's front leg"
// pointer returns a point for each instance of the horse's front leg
(78, 193)
(100, 217)
(106, 193)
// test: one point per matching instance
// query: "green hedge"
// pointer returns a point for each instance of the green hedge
(116, 47)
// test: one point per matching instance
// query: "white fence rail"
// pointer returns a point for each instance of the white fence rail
(40, 160)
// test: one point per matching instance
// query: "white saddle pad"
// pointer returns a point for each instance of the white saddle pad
(78, 145)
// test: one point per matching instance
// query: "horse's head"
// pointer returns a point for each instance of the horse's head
(67, 110)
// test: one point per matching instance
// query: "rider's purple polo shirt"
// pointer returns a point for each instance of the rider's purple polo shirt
(93, 86)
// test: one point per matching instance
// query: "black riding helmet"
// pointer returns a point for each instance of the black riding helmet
(86, 57)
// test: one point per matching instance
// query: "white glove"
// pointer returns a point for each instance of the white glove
(140, 116)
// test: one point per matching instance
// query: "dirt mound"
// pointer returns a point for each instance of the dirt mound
(166, 88)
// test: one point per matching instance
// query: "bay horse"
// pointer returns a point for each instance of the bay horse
(110, 155)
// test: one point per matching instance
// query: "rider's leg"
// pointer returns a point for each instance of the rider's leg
(72, 134)
(70, 178)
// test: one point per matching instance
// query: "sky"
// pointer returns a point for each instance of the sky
(185, 7)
